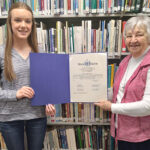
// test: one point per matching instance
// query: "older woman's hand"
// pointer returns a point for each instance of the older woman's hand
(50, 110)
(104, 104)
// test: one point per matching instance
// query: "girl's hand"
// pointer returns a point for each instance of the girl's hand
(50, 110)
(104, 104)
(25, 91)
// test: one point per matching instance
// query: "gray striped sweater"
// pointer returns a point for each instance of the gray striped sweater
(10, 107)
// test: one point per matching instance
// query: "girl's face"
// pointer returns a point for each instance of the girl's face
(21, 22)
(136, 41)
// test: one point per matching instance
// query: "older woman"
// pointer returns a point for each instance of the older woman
(130, 106)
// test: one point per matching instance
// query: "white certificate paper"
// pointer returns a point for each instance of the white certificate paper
(88, 77)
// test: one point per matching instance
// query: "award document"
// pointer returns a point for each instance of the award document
(64, 78)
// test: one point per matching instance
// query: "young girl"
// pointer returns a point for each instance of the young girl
(16, 112)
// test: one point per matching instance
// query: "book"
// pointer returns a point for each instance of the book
(64, 78)
(78, 39)
(1, 35)
(47, 142)
(55, 138)
(63, 137)
(71, 138)
(123, 41)
(78, 137)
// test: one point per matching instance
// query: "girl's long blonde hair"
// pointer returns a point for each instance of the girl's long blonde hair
(32, 40)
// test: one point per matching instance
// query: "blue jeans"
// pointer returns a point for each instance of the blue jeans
(13, 133)
(124, 145)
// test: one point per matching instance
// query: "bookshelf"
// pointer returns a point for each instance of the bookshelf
(47, 17)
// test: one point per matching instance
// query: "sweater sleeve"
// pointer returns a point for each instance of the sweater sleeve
(134, 109)
(8, 95)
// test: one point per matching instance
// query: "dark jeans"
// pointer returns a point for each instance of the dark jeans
(123, 145)
(13, 133)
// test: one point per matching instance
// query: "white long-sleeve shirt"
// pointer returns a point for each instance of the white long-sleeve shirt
(139, 108)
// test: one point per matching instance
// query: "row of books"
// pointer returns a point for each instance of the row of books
(77, 138)
(107, 37)
(79, 39)
(112, 68)
(2, 34)
(79, 112)
(65, 7)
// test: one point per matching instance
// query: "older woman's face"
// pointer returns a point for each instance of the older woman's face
(136, 41)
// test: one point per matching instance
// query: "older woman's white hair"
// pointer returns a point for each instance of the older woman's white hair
(140, 22)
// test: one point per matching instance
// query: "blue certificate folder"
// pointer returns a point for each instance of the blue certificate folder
(49, 77)
(64, 78)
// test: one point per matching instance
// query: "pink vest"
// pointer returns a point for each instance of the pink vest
(132, 129)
